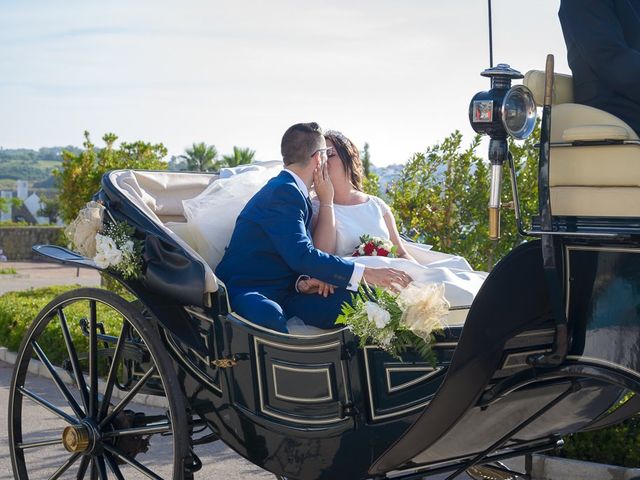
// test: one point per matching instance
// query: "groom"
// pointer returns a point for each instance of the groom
(271, 248)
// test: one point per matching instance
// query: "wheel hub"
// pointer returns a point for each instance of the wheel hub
(75, 438)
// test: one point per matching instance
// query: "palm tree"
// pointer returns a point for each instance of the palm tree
(201, 157)
(240, 156)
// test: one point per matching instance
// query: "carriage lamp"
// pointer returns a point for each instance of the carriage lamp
(502, 111)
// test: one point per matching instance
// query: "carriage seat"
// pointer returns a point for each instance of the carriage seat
(159, 195)
(594, 167)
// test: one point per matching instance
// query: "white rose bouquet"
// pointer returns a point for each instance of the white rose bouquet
(395, 322)
(111, 245)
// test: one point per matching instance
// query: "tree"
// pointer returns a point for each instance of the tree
(50, 208)
(240, 156)
(201, 157)
(6, 204)
(441, 198)
(79, 176)
(370, 180)
(366, 160)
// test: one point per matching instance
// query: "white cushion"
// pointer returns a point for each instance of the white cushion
(562, 87)
(594, 133)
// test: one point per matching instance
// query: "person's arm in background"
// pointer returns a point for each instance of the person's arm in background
(594, 29)
(324, 224)
(394, 235)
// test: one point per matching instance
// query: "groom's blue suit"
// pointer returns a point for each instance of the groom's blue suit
(270, 248)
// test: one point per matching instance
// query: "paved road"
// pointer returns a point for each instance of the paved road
(42, 274)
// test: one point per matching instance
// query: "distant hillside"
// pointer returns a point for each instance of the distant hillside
(31, 165)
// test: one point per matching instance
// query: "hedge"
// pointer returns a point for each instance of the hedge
(19, 309)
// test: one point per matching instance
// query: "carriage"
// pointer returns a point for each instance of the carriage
(548, 347)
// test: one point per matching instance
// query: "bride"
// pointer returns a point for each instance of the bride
(343, 213)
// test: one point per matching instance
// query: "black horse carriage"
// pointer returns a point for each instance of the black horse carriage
(549, 346)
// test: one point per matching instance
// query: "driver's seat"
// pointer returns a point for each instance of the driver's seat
(595, 156)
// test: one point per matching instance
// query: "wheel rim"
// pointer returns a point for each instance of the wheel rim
(92, 427)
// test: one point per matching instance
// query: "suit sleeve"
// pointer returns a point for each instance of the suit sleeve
(283, 222)
(595, 30)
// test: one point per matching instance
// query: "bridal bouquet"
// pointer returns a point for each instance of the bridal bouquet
(111, 245)
(375, 246)
(394, 322)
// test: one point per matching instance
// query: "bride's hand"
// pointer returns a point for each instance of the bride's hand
(313, 285)
(389, 278)
(322, 184)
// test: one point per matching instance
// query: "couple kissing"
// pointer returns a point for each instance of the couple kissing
(284, 257)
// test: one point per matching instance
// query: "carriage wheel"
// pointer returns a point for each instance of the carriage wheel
(98, 355)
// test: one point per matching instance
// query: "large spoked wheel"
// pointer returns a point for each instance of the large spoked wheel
(75, 408)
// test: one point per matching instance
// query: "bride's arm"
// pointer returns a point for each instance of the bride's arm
(324, 224)
(395, 236)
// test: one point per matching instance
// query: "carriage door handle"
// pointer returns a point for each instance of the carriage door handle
(228, 362)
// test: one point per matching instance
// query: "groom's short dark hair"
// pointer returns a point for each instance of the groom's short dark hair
(300, 142)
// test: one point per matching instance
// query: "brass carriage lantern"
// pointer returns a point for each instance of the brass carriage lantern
(502, 111)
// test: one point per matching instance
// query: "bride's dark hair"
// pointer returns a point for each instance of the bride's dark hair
(349, 155)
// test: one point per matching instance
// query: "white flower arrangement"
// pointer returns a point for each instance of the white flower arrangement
(111, 246)
(395, 322)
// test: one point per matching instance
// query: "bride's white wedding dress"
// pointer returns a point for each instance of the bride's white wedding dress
(211, 218)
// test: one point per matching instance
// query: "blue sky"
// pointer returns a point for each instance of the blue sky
(397, 74)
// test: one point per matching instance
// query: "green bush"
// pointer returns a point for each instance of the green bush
(19, 309)
(617, 445)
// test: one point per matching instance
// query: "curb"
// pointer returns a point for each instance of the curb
(37, 368)
(555, 468)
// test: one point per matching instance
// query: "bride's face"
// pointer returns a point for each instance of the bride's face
(335, 166)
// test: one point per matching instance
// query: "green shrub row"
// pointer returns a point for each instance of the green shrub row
(19, 309)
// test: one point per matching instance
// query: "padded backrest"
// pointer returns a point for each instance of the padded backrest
(562, 87)
(572, 121)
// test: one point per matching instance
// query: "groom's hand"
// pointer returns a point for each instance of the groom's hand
(313, 285)
(388, 278)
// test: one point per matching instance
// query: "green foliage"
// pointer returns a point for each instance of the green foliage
(370, 181)
(50, 209)
(240, 156)
(8, 271)
(26, 164)
(617, 445)
(441, 199)
(79, 176)
(201, 157)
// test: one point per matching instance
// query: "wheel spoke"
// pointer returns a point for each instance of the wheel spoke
(57, 380)
(113, 370)
(123, 403)
(65, 466)
(41, 443)
(133, 462)
(47, 405)
(148, 430)
(82, 469)
(93, 361)
(102, 469)
(73, 357)
(113, 466)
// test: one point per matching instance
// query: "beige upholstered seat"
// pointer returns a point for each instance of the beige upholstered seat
(602, 180)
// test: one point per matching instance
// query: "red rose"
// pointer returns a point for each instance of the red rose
(368, 248)
(382, 252)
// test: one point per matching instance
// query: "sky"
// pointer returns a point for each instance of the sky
(398, 74)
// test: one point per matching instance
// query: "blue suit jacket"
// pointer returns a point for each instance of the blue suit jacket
(271, 245)
(603, 51)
